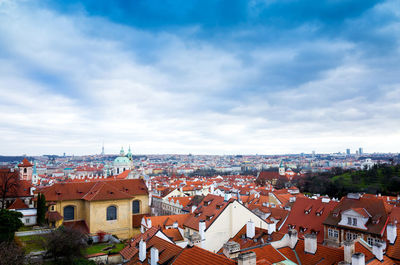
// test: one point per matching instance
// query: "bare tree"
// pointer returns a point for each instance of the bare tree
(11, 253)
(9, 181)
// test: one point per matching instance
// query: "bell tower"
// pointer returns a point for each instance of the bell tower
(25, 170)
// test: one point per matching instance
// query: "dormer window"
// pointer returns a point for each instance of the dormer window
(354, 221)
(349, 220)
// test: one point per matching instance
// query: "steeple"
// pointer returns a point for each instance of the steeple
(129, 154)
(122, 153)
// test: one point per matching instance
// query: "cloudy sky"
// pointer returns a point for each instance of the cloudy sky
(199, 76)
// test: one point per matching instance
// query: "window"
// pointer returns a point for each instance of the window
(111, 213)
(370, 241)
(25, 170)
(351, 236)
(333, 233)
(349, 220)
(27, 220)
(136, 207)
(69, 213)
(52, 207)
(355, 221)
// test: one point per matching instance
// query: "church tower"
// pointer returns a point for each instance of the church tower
(25, 170)
(281, 169)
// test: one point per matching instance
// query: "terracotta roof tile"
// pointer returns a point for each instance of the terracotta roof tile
(199, 256)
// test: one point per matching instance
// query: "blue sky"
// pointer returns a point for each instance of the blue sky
(202, 77)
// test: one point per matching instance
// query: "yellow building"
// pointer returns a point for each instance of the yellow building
(114, 206)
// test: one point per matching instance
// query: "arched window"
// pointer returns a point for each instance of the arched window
(69, 213)
(117, 170)
(136, 207)
(25, 170)
(111, 213)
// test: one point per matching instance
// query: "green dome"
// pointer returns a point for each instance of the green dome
(122, 160)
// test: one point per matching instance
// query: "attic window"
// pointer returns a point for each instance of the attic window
(209, 217)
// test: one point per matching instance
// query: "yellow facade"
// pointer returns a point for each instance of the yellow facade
(94, 213)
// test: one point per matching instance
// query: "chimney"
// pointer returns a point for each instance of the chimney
(154, 256)
(358, 259)
(391, 233)
(175, 224)
(377, 250)
(349, 250)
(247, 258)
(231, 249)
(142, 250)
(250, 229)
(202, 230)
(148, 223)
(293, 237)
(310, 243)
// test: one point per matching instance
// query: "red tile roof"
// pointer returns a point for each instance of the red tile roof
(208, 210)
(311, 221)
(25, 163)
(97, 190)
(53, 216)
(167, 220)
(173, 234)
(18, 204)
(374, 206)
(199, 256)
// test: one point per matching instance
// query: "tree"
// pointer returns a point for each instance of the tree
(65, 245)
(11, 253)
(8, 184)
(41, 209)
(10, 222)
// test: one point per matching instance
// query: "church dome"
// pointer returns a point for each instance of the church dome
(121, 160)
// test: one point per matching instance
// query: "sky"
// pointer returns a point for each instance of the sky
(199, 76)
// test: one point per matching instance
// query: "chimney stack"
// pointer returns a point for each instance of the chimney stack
(142, 250)
(358, 259)
(391, 233)
(250, 229)
(231, 249)
(349, 250)
(310, 243)
(202, 230)
(377, 250)
(293, 237)
(247, 258)
(154, 256)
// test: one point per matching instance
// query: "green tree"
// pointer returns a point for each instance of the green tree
(10, 222)
(41, 209)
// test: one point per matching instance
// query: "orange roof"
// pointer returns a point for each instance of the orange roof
(96, 190)
(199, 256)
(123, 175)
(173, 234)
(18, 204)
(167, 220)
(25, 163)
(208, 210)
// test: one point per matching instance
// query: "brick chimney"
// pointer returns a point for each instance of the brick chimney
(358, 259)
(250, 229)
(154, 258)
(391, 233)
(293, 237)
(377, 250)
(247, 258)
(310, 243)
(349, 250)
(142, 250)
(231, 249)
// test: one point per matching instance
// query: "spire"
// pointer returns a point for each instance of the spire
(122, 153)
(129, 154)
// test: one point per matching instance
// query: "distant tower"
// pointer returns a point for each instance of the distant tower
(348, 151)
(360, 151)
(122, 152)
(102, 149)
(281, 169)
(129, 154)
(25, 170)
(313, 154)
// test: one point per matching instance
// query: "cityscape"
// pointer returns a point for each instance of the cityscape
(183, 132)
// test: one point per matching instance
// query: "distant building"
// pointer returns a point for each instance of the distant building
(360, 151)
(348, 151)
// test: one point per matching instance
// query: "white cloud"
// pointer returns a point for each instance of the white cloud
(65, 86)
